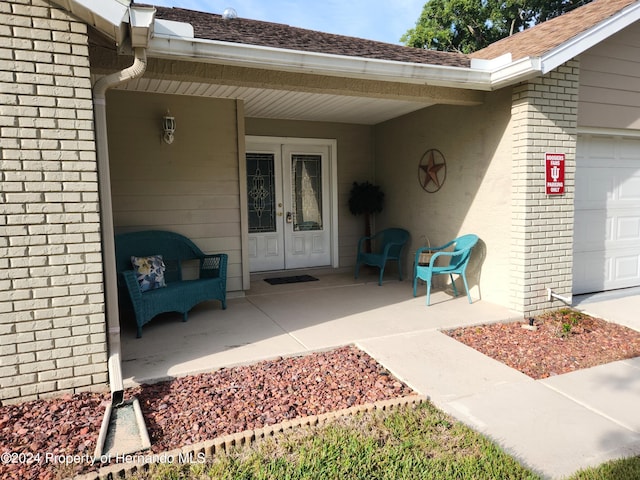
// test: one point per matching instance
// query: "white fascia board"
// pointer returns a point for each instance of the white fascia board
(491, 64)
(172, 47)
(504, 71)
(590, 38)
(515, 72)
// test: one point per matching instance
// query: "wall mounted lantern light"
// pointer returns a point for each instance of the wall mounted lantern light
(168, 128)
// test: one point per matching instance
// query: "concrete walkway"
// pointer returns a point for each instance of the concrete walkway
(555, 426)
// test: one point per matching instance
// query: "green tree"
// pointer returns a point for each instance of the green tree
(465, 26)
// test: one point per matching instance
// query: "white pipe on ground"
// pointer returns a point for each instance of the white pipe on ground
(108, 243)
(552, 295)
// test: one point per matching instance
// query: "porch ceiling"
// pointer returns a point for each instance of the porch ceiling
(287, 105)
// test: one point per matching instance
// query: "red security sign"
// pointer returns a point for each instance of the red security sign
(554, 173)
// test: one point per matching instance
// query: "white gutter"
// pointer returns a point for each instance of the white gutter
(108, 242)
(108, 16)
(213, 51)
(175, 40)
(141, 22)
(515, 72)
(503, 71)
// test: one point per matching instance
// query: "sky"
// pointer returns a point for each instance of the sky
(382, 20)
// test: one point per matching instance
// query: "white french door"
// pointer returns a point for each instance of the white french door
(289, 204)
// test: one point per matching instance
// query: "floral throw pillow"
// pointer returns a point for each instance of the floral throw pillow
(149, 272)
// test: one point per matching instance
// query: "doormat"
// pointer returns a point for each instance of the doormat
(293, 279)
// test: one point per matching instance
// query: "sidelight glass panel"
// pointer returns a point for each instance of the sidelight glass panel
(306, 176)
(261, 192)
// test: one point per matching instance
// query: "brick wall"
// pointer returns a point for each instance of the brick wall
(52, 321)
(544, 114)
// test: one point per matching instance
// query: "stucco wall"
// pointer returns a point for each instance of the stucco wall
(52, 322)
(475, 197)
(191, 186)
(355, 163)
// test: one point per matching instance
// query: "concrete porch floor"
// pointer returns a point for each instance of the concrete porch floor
(292, 319)
(555, 426)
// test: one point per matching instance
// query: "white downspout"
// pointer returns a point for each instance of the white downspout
(108, 243)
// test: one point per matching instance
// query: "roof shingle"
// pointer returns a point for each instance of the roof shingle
(532, 42)
(212, 26)
(549, 35)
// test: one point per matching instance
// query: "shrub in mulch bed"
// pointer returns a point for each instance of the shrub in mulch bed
(565, 340)
(56, 438)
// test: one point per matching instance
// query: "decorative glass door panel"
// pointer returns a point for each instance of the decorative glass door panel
(307, 238)
(287, 198)
(306, 189)
(264, 205)
(261, 191)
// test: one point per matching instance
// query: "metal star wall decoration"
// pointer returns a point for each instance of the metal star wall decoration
(432, 170)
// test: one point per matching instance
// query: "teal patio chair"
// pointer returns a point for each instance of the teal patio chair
(458, 261)
(388, 246)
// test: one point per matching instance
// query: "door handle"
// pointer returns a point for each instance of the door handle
(289, 217)
(279, 214)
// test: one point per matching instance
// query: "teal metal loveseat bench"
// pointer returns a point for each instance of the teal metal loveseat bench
(150, 270)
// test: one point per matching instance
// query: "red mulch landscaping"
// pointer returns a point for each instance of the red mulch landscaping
(56, 438)
(39, 439)
(565, 341)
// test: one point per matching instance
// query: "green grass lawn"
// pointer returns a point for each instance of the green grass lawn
(414, 442)
(624, 469)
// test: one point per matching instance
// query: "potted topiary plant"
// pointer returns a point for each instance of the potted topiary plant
(366, 199)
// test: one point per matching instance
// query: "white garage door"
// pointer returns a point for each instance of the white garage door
(607, 214)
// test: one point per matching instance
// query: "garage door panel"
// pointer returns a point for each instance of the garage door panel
(629, 189)
(628, 228)
(607, 214)
(609, 185)
(590, 272)
(626, 267)
(593, 273)
(592, 191)
(586, 237)
(627, 149)
(619, 230)
(604, 148)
